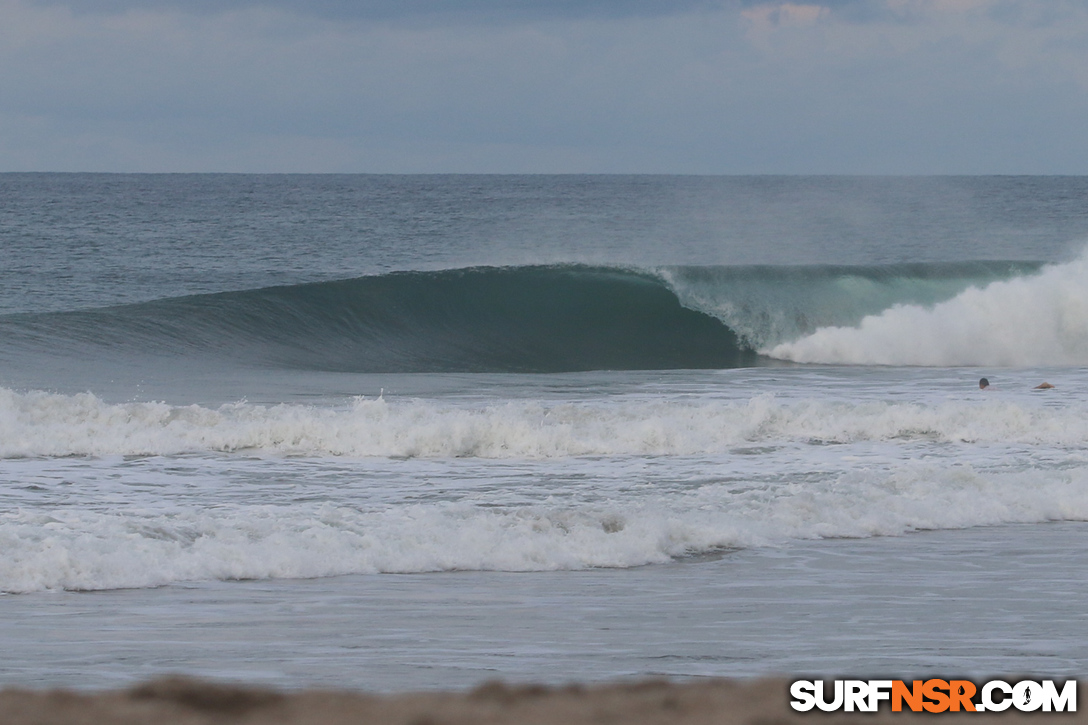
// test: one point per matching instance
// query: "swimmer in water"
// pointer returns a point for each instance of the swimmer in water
(983, 384)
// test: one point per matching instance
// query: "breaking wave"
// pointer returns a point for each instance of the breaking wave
(107, 531)
(1035, 319)
(40, 424)
(568, 318)
(68, 548)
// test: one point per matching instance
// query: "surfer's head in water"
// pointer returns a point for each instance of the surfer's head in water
(983, 384)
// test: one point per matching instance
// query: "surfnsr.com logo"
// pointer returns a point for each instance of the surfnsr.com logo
(934, 696)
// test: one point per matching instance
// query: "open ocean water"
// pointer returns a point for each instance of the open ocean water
(403, 432)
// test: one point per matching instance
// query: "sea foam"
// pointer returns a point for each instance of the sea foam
(40, 424)
(65, 548)
(1038, 319)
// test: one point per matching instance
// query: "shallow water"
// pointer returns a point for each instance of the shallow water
(977, 602)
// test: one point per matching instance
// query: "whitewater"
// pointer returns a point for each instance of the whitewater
(1036, 319)
(142, 494)
(41, 424)
(420, 432)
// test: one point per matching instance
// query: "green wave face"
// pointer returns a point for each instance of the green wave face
(527, 319)
(515, 319)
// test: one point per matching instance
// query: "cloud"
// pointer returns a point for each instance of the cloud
(837, 86)
(478, 11)
(939, 6)
(773, 15)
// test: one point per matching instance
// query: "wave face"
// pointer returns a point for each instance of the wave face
(528, 319)
(525, 319)
(1036, 319)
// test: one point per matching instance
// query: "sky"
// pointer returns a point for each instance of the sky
(545, 86)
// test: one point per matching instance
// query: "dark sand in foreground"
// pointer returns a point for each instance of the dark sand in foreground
(191, 702)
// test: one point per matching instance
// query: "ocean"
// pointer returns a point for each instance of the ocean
(418, 432)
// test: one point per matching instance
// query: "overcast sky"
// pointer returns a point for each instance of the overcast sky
(612, 86)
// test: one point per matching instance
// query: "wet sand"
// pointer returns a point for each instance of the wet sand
(182, 701)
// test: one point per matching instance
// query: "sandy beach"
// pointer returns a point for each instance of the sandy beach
(180, 701)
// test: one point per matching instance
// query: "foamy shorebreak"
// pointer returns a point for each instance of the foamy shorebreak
(39, 424)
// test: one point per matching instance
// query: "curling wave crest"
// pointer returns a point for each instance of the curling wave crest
(541, 319)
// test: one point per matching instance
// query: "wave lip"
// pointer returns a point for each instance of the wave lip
(1038, 319)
